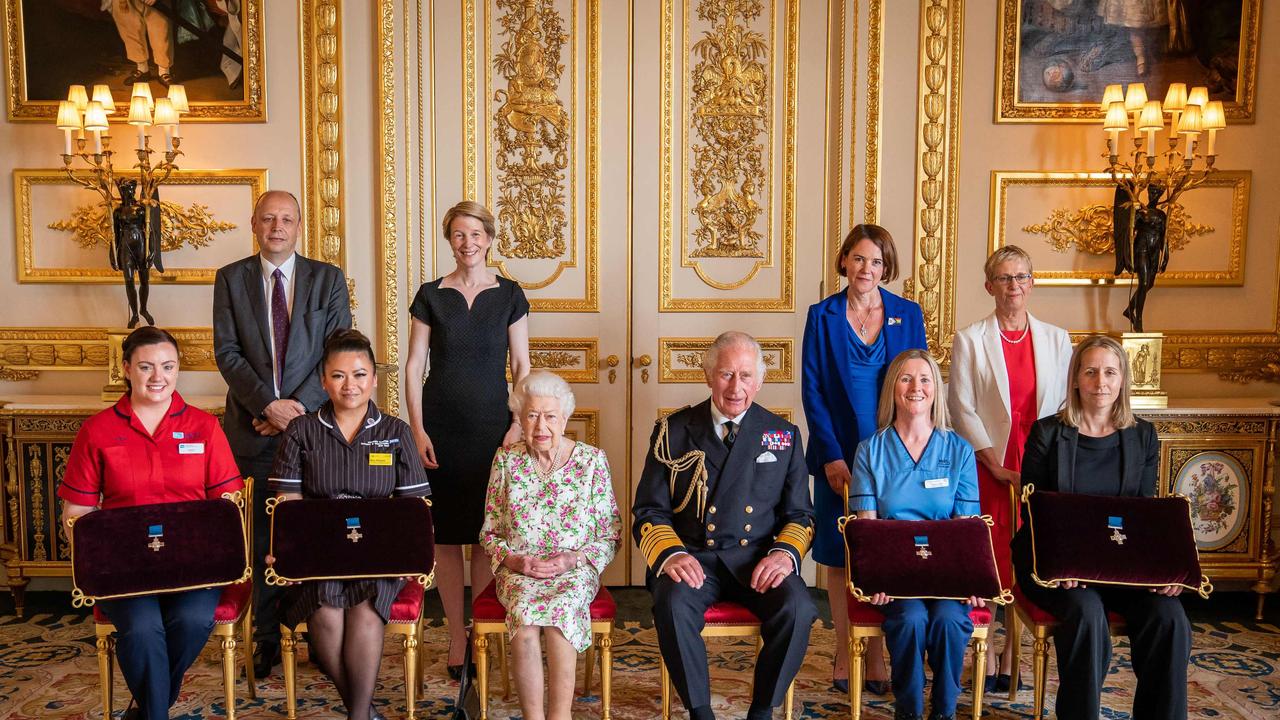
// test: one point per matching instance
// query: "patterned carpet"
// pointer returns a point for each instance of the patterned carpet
(48, 669)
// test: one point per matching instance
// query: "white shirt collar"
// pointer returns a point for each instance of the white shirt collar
(718, 418)
(285, 267)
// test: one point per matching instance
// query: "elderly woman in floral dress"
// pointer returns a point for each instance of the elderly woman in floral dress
(551, 527)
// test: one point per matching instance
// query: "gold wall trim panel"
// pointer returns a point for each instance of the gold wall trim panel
(1242, 357)
(837, 51)
(937, 168)
(875, 78)
(388, 274)
(730, 211)
(199, 223)
(322, 151)
(83, 348)
(1008, 108)
(680, 359)
(253, 108)
(471, 153)
(532, 117)
(1088, 229)
(576, 360)
(584, 426)
(785, 413)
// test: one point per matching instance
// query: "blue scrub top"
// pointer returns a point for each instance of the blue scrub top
(943, 484)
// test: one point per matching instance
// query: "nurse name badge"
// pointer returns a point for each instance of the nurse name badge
(353, 529)
(776, 440)
(155, 532)
(1116, 523)
(922, 547)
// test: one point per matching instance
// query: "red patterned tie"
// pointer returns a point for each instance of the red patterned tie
(279, 324)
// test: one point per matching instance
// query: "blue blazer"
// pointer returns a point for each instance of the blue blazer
(825, 381)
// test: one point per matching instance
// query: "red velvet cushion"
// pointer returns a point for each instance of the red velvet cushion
(408, 604)
(861, 613)
(352, 538)
(729, 613)
(486, 608)
(234, 600)
(950, 559)
(166, 547)
(1132, 541)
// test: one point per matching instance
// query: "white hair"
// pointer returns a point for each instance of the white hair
(542, 383)
(732, 338)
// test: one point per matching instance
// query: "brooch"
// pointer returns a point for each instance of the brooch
(895, 321)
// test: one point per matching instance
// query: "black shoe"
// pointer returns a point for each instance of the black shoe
(375, 715)
(455, 671)
(136, 76)
(940, 716)
(1003, 681)
(840, 685)
(266, 655)
(133, 712)
(165, 79)
(900, 714)
(990, 683)
(876, 687)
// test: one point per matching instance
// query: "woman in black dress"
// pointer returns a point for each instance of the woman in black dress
(330, 454)
(1096, 446)
(468, 322)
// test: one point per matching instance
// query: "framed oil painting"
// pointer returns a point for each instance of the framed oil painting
(212, 47)
(1057, 56)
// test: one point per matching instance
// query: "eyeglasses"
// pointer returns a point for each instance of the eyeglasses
(1020, 278)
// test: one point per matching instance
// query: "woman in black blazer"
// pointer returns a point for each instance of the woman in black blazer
(1096, 446)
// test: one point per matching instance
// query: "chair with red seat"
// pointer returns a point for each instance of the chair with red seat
(1041, 623)
(405, 620)
(490, 618)
(865, 620)
(234, 612)
(723, 619)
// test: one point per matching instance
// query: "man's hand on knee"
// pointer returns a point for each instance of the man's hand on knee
(771, 571)
(684, 568)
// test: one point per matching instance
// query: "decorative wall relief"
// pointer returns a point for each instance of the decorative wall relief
(733, 222)
(680, 359)
(1089, 229)
(38, 349)
(192, 226)
(542, 158)
(574, 359)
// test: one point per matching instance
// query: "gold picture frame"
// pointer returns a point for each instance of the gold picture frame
(1086, 229)
(1071, 55)
(38, 72)
(193, 218)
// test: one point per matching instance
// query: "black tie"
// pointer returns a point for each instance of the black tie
(730, 433)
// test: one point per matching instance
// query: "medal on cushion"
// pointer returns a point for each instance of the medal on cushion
(353, 527)
(1116, 523)
(922, 547)
(155, 532)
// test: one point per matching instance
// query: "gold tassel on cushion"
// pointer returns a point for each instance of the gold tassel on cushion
(695, 459)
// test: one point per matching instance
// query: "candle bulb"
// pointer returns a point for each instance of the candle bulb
(142, 137)
(95, 121)
(166, 118)
(1213, 119)
(1191, 125)
(1151, 122)
(1117, 122)
(68, 120)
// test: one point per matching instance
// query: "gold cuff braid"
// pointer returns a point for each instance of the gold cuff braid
(656, 540)
(797, 536)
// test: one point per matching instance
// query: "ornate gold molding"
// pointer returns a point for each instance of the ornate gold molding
(785, 300)
(875, 78)
(576, 360)
(471, 152)
(11, 375)
(938, 145)
(253, 108)
(1091, 226)
(180, 226)
(321, 27)
(26, 349)
(680, 359)
(25, 182)
(389, 306)
(584, 425)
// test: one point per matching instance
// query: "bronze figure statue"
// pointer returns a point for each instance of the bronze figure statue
(136, 247)
(1141, 248)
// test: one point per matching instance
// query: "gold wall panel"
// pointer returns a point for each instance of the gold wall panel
(542, 166)
(584, 426)
(1087, 230)
(322, 150)
(574, 359)
(938, 147)
(785, 413)
(680, 359)
(388, 274)
(875, 78)
(87, 348)
(192, 222)
(729, 86)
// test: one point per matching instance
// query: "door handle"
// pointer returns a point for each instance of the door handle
(612, 361)
(643, 362)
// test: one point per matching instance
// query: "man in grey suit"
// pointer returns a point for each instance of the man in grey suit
(271, 314)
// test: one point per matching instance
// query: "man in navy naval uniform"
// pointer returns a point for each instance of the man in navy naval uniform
(723, 512)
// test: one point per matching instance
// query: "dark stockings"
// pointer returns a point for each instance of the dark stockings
(347, 643)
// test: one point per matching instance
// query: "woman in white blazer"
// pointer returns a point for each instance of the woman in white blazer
(1007, 371)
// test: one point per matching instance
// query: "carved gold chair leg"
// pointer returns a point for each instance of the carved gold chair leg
(588, 666)
(482, 671)
(979, 672)
(246, 647)
(857, 663)
(229, 672)
(606, 673)
(1013, 631)
(666, 688)
(1039, 670)
(289, 659)
(411, 670)
(502, 664)
(106, 669)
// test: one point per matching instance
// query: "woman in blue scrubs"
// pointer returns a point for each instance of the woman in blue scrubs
(916, 468)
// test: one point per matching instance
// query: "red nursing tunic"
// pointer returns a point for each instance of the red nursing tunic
(1020, 362)
(115, 462)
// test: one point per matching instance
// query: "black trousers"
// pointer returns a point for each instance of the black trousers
(786, 615)
(1159, 637)
(266, 598)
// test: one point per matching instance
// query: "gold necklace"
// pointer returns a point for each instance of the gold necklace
(546, 475)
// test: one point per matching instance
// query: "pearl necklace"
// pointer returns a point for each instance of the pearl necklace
(1004, 337)
(862, 329)
(546, 475)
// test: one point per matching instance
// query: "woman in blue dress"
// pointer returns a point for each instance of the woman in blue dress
(849, 339)
(916, 468)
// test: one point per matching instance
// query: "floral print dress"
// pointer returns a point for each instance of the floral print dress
(574, 510)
